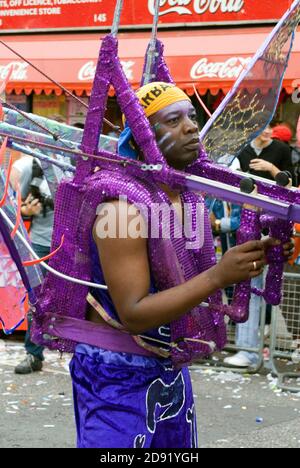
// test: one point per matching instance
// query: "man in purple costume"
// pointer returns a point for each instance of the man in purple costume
(128, 400)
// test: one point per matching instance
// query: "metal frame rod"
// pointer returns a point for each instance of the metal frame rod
(152, 48)
(117, 18)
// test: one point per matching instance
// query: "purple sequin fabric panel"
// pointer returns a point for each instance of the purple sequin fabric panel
(250, 230)
(281, 230)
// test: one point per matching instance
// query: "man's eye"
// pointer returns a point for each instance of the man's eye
(193, 117)
(174, 120)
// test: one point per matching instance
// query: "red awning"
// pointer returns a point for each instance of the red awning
(211, 59)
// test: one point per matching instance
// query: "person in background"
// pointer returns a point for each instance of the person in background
(225, 220)
(264, 157)
(282, 132)
(225, 217)
(286, 133)
(26, 171)
(291, 295)
(79, 125)
(296, 153)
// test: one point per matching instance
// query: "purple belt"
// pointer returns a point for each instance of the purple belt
(93, 334)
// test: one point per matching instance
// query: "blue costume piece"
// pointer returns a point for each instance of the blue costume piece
(147, 412)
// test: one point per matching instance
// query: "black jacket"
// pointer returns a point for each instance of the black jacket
(278, 153)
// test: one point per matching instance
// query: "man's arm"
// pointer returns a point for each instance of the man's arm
(287, 163)
(126, 270)
(264, 166)
(284, 162)
(22, 173)
(15, 177)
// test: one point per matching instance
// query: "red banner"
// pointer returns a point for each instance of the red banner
(45, 15)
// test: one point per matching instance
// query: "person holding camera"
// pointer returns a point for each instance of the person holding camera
(38, 207)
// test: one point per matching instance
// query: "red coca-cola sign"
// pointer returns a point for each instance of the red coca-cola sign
(19, 71)
(211, 11)
(229, 69)
(35, 15)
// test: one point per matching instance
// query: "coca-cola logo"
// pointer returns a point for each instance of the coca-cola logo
(231, 69)
(19, 72)
(188, 7)
(88, 70)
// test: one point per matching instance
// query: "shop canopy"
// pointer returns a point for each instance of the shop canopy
(210, 59)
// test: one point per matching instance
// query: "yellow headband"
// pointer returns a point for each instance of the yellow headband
(156, 96)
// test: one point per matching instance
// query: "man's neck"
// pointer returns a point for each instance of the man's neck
(259, 144)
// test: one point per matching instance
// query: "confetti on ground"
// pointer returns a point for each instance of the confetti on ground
(259, 420)
(11, 353)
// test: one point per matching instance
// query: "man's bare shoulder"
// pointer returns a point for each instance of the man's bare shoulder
(119, 220)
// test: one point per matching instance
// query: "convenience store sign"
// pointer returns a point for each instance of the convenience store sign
(45, 15)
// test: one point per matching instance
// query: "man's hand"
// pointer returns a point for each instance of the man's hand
(265, 166)
(289, 249)
(247, 261)
(31, 206)
(241, 263)
(261, 165)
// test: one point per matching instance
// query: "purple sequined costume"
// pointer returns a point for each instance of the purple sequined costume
(164, 399)
(59, 319)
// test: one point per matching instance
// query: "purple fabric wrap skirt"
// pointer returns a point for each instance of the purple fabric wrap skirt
(128, 401)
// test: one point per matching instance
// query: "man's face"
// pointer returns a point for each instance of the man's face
(266, 135)
(177, 134)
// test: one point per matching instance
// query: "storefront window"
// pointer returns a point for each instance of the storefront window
(290, 112)
(51, 106)
(76, 112)
(21, 101)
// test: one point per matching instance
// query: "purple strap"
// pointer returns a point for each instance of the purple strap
(93, 334)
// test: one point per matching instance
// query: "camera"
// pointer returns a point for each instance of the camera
(46, 201)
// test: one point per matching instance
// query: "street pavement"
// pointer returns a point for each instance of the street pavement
(234, 410)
